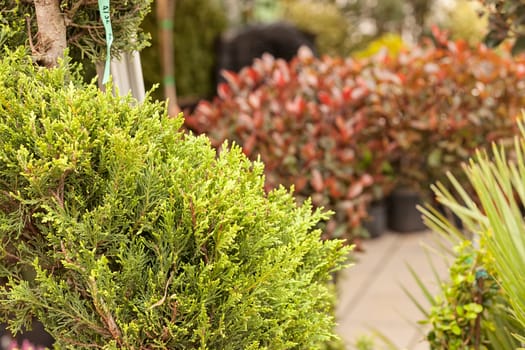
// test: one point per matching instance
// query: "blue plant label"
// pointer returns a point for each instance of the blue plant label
(105, 15)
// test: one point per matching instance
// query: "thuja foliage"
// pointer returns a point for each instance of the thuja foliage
(119, 231)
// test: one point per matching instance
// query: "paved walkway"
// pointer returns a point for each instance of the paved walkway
(371, 296)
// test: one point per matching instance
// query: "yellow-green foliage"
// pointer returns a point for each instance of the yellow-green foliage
(391, 42)
(322, 19)
(267, 10)
(139, 236)
(464, 22)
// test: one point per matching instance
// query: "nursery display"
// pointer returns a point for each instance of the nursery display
(451, 100)
(315, 124)
(119, 231)
(348, 131)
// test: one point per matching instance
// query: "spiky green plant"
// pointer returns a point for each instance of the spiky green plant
(493, 216)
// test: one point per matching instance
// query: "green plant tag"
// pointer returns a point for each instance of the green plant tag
(103, 7)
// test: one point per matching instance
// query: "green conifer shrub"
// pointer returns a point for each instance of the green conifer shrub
(120, 231)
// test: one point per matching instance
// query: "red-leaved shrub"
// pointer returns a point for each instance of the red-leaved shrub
(452, 100)
(338, 129)
(314, 125)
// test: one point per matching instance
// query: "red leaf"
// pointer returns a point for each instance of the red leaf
(520, 71)
(317, 181)
(231, 77)
(254, 100)
(204, 108)
(279, 78)
(278, 124)
(305, 54)
(252, 74)
(325, 98)
(367, 180)
(344, 133)
(296, 106)
(224, 91)
(249, 144)
(347, 93)
(346, 155)
(308, 151)
(440, 35)
(333, 187)
(258, 119)
(355, 190)
(300, 183)
(358, 93)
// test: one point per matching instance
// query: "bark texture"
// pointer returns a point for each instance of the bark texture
(52, 39)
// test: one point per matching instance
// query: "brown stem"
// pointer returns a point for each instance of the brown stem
(30, 36)
(165, 18)
(51, 32)
(103, 311)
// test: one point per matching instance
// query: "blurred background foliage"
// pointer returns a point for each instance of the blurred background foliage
(197, 25)
(340, 27)
(464, 19)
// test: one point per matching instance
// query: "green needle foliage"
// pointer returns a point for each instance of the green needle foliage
(494, 214)
(118, 231)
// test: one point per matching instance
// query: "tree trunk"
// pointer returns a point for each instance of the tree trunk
(165, 18)
(51, 32)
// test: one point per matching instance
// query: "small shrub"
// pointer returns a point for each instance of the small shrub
(119, 231)
(471, 310)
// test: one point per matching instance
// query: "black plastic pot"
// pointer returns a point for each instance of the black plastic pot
(375, 224)
(402, 214)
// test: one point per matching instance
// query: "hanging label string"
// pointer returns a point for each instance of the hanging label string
(103, 7)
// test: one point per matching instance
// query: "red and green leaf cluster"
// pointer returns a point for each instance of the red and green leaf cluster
(338, 129)
(452, 100)
(315, 125)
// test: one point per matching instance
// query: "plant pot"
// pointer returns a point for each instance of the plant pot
(376, 223)
(402, 214)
